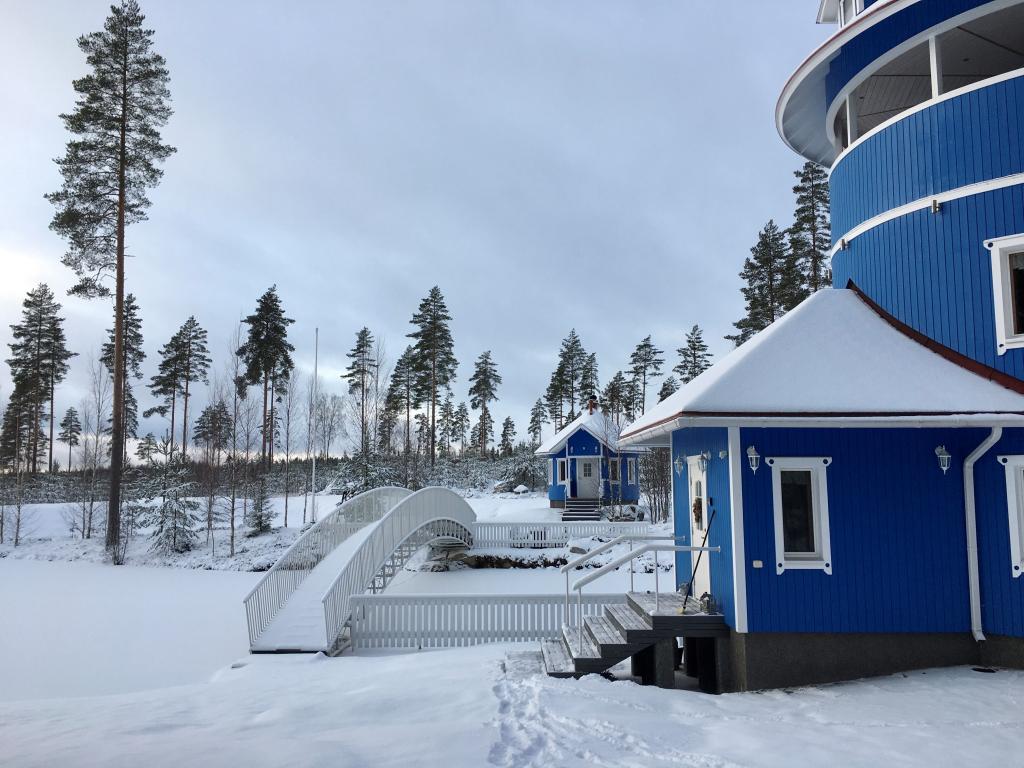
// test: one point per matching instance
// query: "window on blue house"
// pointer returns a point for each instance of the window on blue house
(563, 470)
(631, 471)
(613, 470)
(1008, 289)
(800, 506)
(1014, 466)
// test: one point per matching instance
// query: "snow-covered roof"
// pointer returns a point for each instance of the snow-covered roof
(602, 428)
(834, 357)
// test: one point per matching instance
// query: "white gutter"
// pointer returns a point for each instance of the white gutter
(970, 518)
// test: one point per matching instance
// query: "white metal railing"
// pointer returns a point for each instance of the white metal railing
(540, 535)
(436, 507)
(614, 565)
(285, 576)
(447, 621)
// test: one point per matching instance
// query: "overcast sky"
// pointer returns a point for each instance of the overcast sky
(597, 165)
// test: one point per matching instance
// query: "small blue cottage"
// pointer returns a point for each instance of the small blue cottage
(586, 468)
(860, 462)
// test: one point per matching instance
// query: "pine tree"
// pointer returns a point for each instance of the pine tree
(694, 357)
(809, 237)
(508, 436)
(108, 165)
(194, 365)
(554, 399)
(461, 426)
(133, 355)
(260, 518)
(483, 433)
(165, 385)
(433, 360)
(573, 362)
(38, 362)
(213, 431)
(266, 355)
(613, 399)
(402, 396)
(16, 431)
(589, 384)
(668, 388)
(359, 375)
(70, 431)
(446, 424)
(773, 284)
(174, 519)
(645, 363)
(147, 448)
(538, 418)
(483, 390)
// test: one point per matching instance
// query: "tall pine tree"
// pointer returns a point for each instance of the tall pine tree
(694, 357)
(194, 364)
(267, 357)
(359, 374)
(433, 359)
(538, 418)
(645, 363)
(108, 165)
(773, 284)
(402, 396)
(70, 431)
(483, 390)
(131, 368)
(809, 237)
(508, 437)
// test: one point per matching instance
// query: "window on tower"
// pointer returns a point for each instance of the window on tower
(1008, 290)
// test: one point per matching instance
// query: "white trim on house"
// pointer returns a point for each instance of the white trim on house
(821, 558)
(631, 471)
(563, 474)
(1002, 249)
(970, 190)
(739, 566)
(1014, 466)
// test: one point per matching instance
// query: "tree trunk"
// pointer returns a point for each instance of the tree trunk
(184, 416)
(263, 432)
(117, 417)
(270, 437)
(53, 386)
(433, 407)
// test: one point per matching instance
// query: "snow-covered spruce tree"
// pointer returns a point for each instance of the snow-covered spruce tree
(213, 437)
(645, 363)
(668, 388)
(359, 375)
(694, 357)
(260, 517)
(70, 431)
(483, 390)
(110, 162)
(773, 284)
(267, 358)
(508, 436)
(538, 418)
(38, 362)
(433, 359)
(809, 237)
(166, 504)
(131, 368)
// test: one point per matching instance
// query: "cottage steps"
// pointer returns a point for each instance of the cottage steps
(587, 510)
(676, 615)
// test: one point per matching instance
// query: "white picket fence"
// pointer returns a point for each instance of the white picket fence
(543, 535)
(448, 621)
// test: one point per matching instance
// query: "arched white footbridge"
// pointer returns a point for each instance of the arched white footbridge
(302, 604)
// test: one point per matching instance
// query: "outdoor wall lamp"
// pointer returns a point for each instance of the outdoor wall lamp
(703, 460)
(679, 464)
(944, 458)
(753, 459)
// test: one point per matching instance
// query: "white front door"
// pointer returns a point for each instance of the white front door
(588, 478)
(698, 527)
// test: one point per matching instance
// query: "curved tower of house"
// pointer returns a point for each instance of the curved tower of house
(861, 461)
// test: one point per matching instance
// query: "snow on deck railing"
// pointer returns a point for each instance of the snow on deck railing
(447, 621)
(278, 584)
(439, 508)
(541, 535)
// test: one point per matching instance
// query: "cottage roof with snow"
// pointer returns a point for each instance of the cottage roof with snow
(834, 358)
(602, 428)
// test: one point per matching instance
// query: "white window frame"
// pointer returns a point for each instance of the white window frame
(563, 471)
(614, 471)
(631, 471)
(1014, 466)
(1001, 249)
(821, 558)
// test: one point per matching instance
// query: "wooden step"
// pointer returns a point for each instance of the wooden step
(607, 637)
(572, 637)
(557, 661)
(661, 614)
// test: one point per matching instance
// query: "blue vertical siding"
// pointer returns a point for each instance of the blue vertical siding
(897, 534)
(1002, 596)
(963, 140)
(933, 272)
(689, 442)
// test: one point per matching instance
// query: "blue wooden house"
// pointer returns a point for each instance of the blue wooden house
(860, 463)
(586, 468)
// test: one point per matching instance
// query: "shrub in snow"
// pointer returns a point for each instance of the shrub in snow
(261, 515)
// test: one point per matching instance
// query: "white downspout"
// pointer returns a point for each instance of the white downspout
(973, 580)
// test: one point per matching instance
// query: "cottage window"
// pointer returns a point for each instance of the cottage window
(631, 471)
(1014, 466)
(588, 469)
(614, 469)
(563, 470)
(800, 505)
(1008, 289)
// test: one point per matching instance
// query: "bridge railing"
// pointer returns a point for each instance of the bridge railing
(448, 621)
(285, 576)
(542, 535)
(438, 507)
